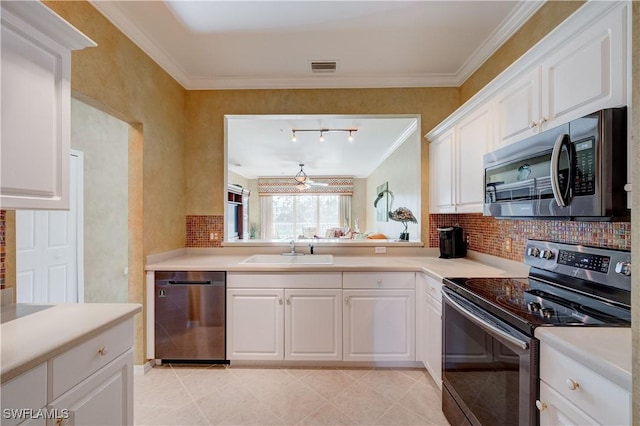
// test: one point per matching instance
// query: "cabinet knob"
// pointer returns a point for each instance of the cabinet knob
(379, 281)
(288, 301)
(541, 405)
(103, 351)
(533, 124)
(280, 300)
(572, 384)
(346, 300)
(542, 121)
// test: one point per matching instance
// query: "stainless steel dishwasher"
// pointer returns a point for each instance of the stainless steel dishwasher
(190, 316)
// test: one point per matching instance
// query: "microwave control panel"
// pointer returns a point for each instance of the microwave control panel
(584, 177)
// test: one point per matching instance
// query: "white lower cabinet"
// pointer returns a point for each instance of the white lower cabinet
(279, 324)
(102, 398)
(379, 325)
(91, 383)
(573, 394)
(429, 325)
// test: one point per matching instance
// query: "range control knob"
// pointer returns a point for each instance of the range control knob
(623, 268)
(547, 254)
(547, 312)
(533, 251)
(534, 306)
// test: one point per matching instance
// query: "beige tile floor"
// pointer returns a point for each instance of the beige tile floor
(215, 395)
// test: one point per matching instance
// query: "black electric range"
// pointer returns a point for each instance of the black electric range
(489, 347)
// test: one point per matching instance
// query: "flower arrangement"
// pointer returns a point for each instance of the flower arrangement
(404, 215)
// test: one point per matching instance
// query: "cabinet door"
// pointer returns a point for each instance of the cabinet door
(421, 317)
(101, 399)
(313, 324)
(557, 411)
(255, 324)
(588, 73)
(441, 174)
(379, 325)
(433, 351)
(473, 139)
(517, 109)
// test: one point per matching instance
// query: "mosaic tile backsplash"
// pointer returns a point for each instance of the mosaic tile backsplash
(3, 248)
(488, 234)
(200, 228)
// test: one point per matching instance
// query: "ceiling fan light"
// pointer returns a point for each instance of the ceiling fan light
(293, 138)
(302, 186)
(321, 137)
(350, 138)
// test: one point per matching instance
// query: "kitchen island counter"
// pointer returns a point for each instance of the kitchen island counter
(32, 339)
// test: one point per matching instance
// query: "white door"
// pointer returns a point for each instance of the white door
(313, 324)
(255, 324)
(48, 243)
(379, 325)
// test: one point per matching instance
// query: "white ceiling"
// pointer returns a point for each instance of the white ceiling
(270, 44)
(261, 145)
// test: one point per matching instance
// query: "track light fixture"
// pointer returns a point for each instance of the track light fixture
(322, 132)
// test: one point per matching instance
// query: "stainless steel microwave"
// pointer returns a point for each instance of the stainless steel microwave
(574, 171)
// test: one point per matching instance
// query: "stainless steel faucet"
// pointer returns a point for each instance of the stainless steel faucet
(292, 246)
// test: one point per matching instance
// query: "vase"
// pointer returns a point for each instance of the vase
(404, 236)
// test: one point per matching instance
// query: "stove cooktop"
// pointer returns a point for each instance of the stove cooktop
(528, 303)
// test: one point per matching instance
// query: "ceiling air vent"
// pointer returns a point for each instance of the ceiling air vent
(323, 66)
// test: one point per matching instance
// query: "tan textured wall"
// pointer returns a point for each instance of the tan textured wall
(205, 110)
(635, 208)
(119, 78)
(546, 19)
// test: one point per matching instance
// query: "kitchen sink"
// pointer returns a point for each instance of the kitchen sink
(278, 259)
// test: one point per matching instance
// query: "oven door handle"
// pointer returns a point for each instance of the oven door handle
(479, 321)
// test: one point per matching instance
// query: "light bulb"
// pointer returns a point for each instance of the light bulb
(321, 137)
(350, 138)
(293, 139)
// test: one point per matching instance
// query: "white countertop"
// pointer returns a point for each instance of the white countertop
(27, 341)
(434, 266)
(605, 350)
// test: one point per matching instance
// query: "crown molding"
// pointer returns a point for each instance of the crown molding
(120, 20)
(508, 27)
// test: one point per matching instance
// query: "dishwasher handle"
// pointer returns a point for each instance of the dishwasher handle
(187, 282)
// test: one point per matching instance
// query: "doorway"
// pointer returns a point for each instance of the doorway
(49, 255)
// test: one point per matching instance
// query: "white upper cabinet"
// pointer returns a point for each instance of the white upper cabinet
(35, 59)
(588, 73)
(473, 141)
(441, 174)
(578, 68)
(455, 163)
(517, 109)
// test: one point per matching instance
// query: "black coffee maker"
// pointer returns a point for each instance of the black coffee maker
(452, 242)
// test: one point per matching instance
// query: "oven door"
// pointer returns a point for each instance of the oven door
(489, 369)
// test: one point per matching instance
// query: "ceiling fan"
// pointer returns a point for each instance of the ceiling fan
(304, 181)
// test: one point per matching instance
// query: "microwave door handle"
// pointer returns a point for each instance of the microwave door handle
(483, 324)
(555, 181)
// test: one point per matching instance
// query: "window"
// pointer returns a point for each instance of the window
(294, 216)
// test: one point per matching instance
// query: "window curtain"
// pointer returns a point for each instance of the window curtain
(345, 211)
(266, 218)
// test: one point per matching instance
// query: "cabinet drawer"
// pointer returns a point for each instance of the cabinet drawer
(378, 280)
(597, 396)
(72, 366)
(286, 280)
(434, 289)
(28, 390)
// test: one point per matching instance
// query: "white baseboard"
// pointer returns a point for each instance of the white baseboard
(139, 370)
